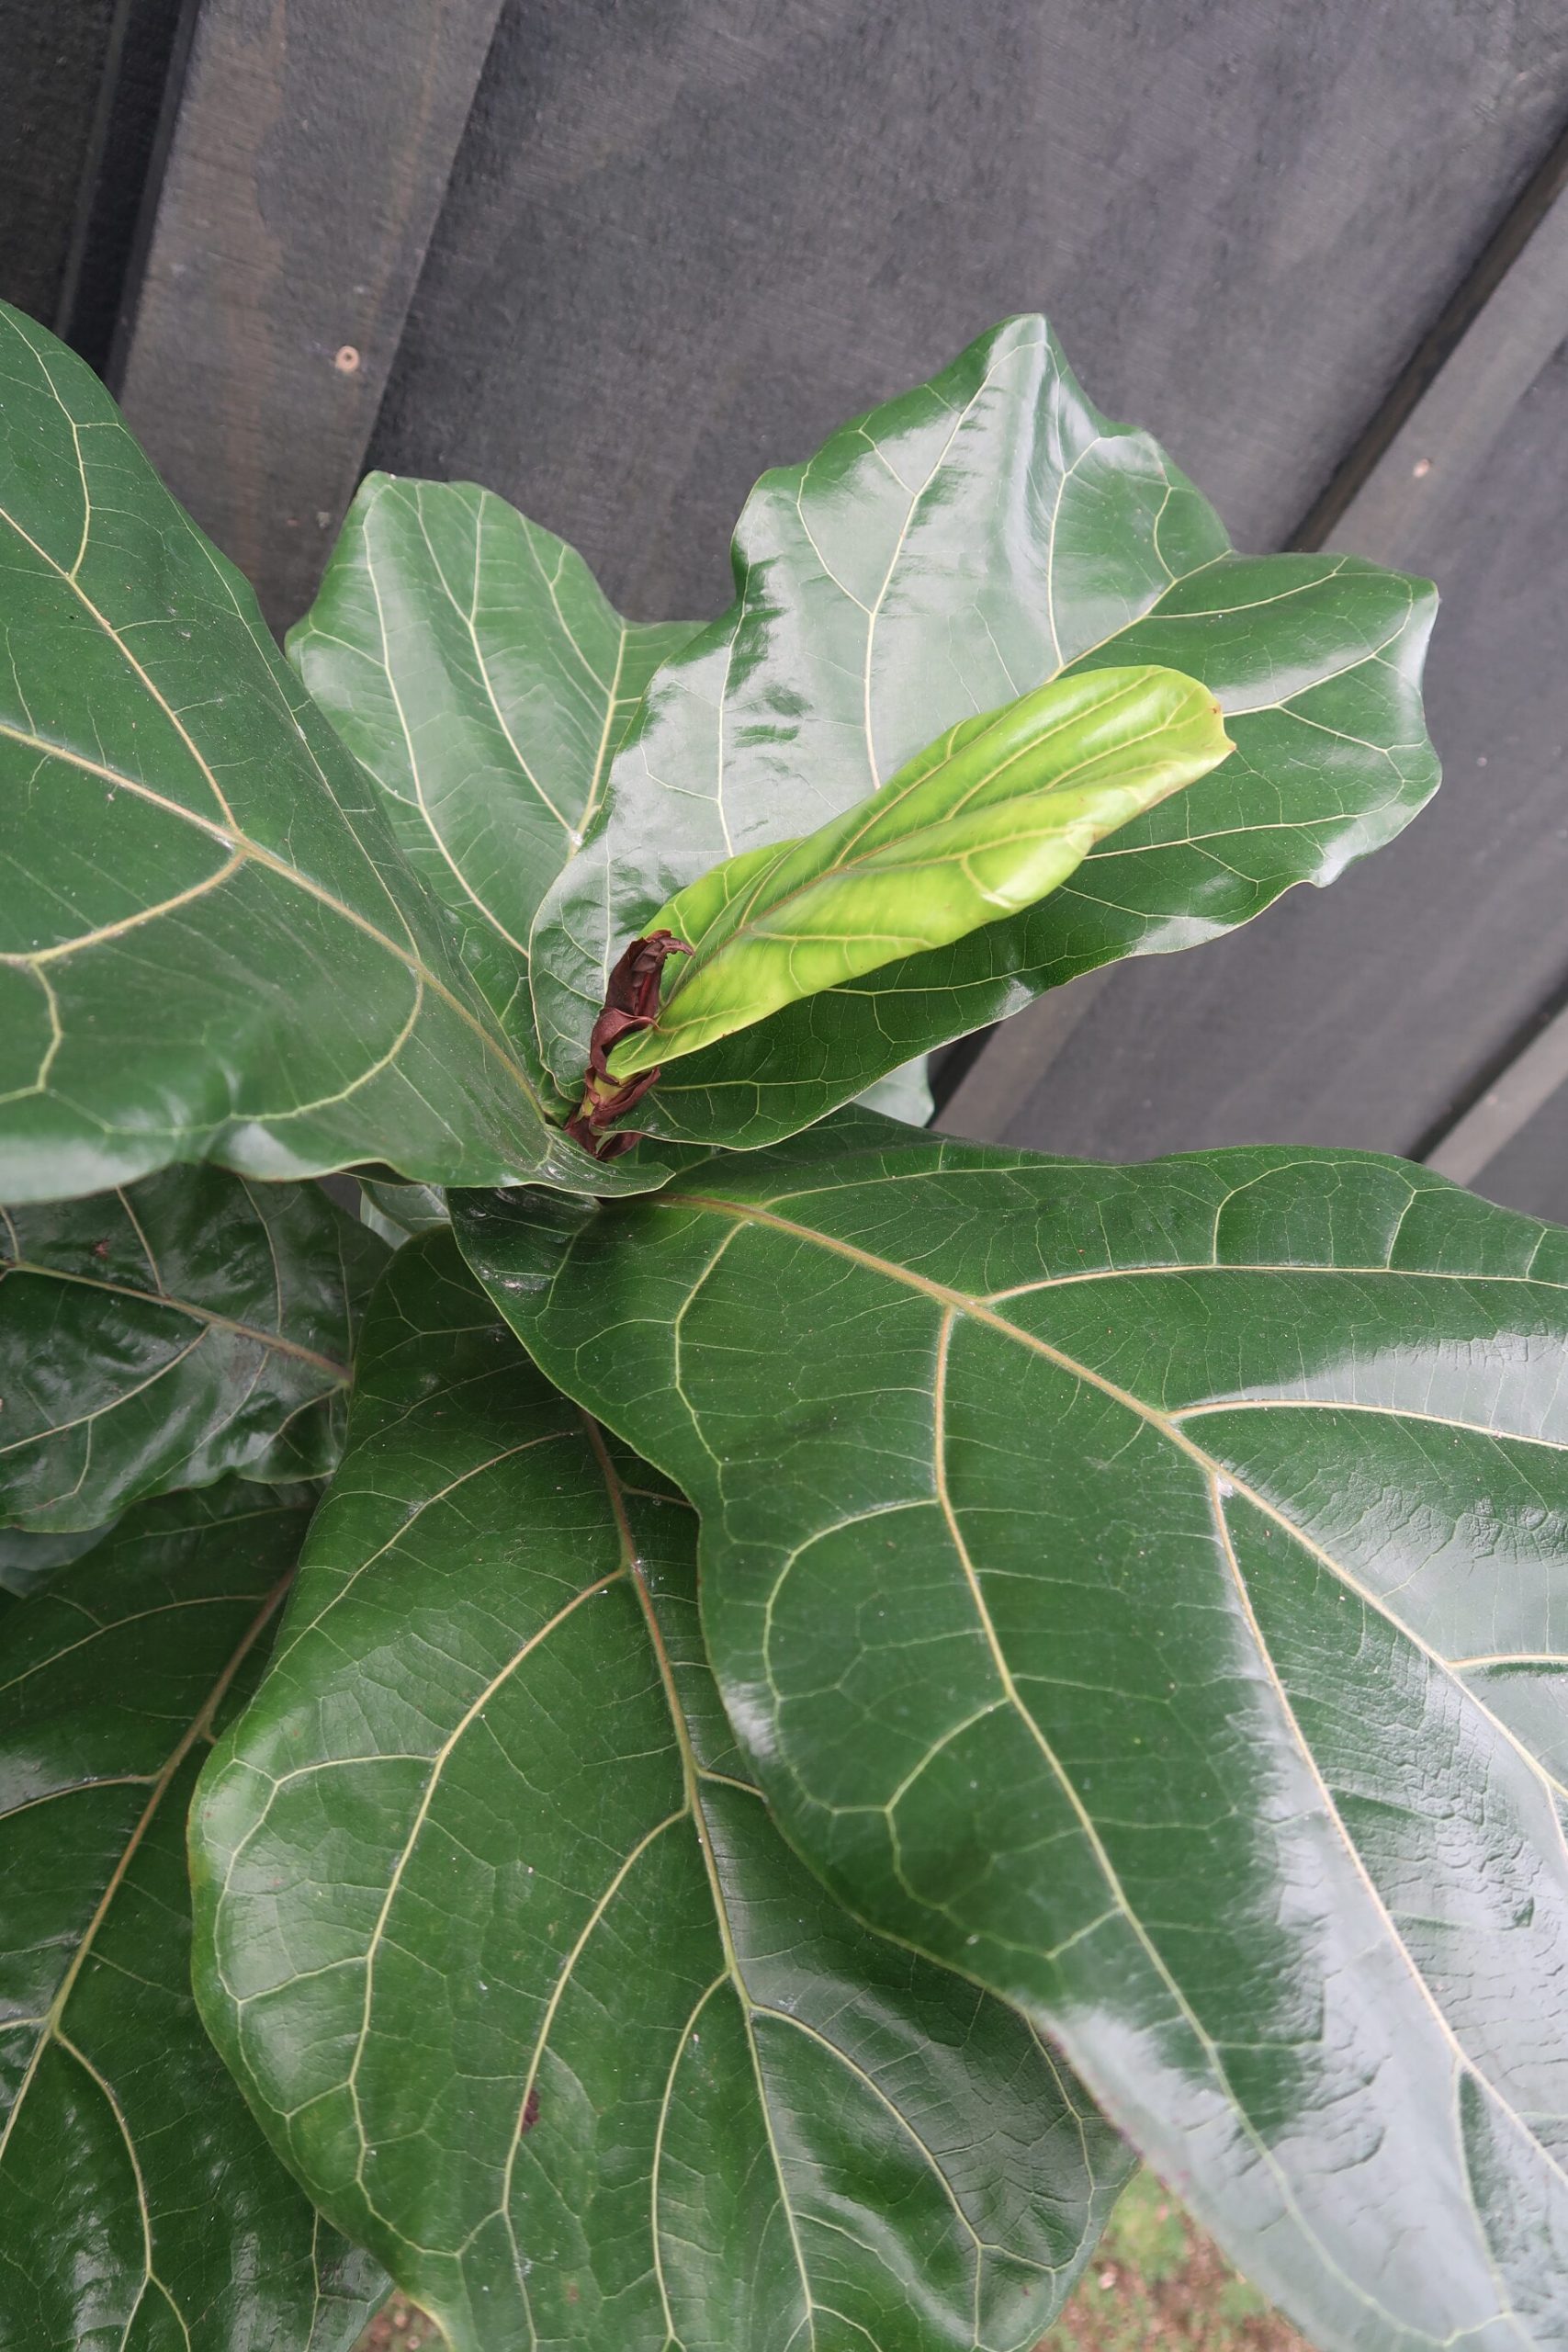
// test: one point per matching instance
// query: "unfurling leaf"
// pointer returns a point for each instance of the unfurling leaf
(140, 2204)
(981, 824)
(1145, 1588)
(497, 1932)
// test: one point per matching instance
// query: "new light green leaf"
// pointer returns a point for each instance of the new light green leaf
(473, 665)
(140, 2204)
(160, 1336)
(1146, 1589)
(211, 946)
(985, 821)
(497, 1934)
(955, 547)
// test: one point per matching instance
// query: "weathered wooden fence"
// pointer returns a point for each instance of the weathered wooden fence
(613, 256)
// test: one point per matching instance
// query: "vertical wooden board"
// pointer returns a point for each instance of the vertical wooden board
(683, 240)
(138, 103)
(1358, 1014)
(308, 163)
(53, 59)
(1413, 469)
(1531, 1171)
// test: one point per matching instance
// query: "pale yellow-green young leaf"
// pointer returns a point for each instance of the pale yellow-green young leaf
(989, 818)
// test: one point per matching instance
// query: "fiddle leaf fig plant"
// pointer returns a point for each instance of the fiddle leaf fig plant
(648, 1702)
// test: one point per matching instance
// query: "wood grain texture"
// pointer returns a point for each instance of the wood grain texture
(54, 59)
(684, 241)
(308, 164)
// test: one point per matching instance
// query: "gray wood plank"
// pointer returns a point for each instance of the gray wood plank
(54, 59)
(1472, 1142)
(1508, 1141)
(1418, 492)
(144, 77)
(684, 239)
(1530, 1173)
(308, 165)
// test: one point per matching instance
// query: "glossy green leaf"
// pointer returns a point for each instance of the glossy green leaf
(497, 1934)
(1145, 1588)
(28, 1562)
(905, 1094)
(210, 945)
(951, 549)
(396, 1211)
(982, 823)
(472, 663)
(157, 1336)
(140, 2205)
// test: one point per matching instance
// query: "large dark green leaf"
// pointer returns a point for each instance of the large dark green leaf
(496, 1932)
(210, 946)
(985, 821)
(947, 552)
(160, 1336)
(1145, 1588)
(140, 2205)
(472, 663)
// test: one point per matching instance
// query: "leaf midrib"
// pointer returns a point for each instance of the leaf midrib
(1217, 1477)
(695, 1775)
(961, 1302)
(691, 1773)
(338, 1373)
(200, 1724)
(244, 847)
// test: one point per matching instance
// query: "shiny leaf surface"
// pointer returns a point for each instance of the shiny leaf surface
(982, 823)
(472, 663)
(905, 1094)
(1145, 1588)
(954, 549)
(210, 946)
(157, 1336)
(498, 1935)
(394, 1211)
(140, 2205)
